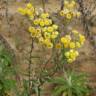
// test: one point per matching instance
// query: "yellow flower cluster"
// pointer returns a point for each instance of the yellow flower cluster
(76, 42)
(43, 20)
(35, 32)
(44, 30)
(72, 43)
(66, 40)
(71, 55)
(80, 39)
(69, 11)
(29, 11)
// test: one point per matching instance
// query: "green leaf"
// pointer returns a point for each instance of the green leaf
(58, 90)
(9, 84)
(75, 84)
(58, 80)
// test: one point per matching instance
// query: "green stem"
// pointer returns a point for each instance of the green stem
(43, 5)
(38, 89)
(29, 67)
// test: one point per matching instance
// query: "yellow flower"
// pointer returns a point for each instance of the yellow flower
(33, 34)
(63, 40)
(31, 29)
(66, 45)
(68, 37)
(54, 34)
(44, 29)
(22, 11)
(82, 38)
(49, 45)
(72, 45)
(41, 40)
(55, 27)
(70, 60)
(46, 35)
(78, 45)
(36, 22)
(42, 24)
(29, 12)
(46, 21)
(38, 30)
(29, 5)
(66, 3)
(72, 5)
(71, 55)
(44, 15)
(58, 45)
(46, 40)
(50, 29)
(67, 54)
(69, 16)
(62, 13)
